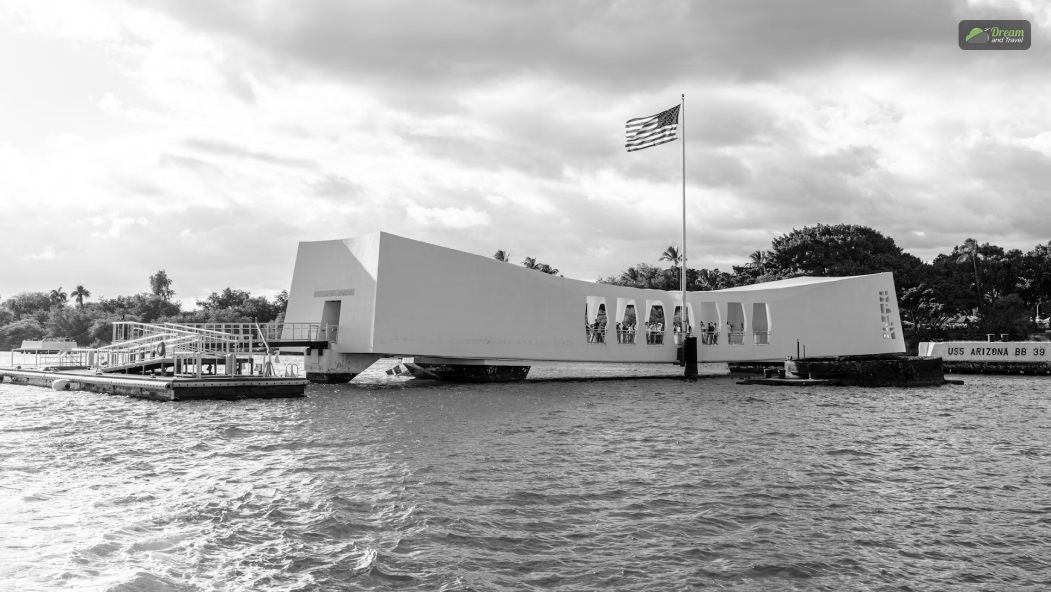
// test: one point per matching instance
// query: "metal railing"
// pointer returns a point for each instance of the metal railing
(596, 335)
(64, 359)
(735, 337)
(169, 344)
(175, 347)
(124, 331)
(654, 337)
(680, 337)
(710, 338)
(761, 337)
(626, 336)
(185, 343)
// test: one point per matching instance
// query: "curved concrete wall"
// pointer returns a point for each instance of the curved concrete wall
(404, 297)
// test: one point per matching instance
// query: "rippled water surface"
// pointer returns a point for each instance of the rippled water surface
(635, 484)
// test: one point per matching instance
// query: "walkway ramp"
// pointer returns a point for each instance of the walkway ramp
(163, 365)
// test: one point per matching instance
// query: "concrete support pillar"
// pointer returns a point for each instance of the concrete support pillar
(689, 353)
(327, 366)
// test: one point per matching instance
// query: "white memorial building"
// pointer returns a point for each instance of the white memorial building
(384, 295)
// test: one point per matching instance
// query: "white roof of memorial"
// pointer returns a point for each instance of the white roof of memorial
(789, 283)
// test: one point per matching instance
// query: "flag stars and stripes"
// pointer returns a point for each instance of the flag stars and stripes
(644, 132)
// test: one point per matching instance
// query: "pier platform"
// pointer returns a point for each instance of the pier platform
(169, 388)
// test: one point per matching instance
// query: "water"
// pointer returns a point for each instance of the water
(629, 484)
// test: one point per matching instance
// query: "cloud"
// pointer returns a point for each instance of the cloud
(335, 187)
(597, 43)
(267, 123)
(174, 160)
(450, 217)
(117, 225)
(47, 254)
(110, 105)
(220, 148)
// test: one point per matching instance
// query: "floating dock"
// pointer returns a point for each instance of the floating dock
(165, 388)
(172, 362)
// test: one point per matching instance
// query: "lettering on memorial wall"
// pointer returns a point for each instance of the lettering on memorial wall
(327, 293)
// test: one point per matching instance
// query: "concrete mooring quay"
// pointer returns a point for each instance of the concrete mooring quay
(164, 388)
(869, 371)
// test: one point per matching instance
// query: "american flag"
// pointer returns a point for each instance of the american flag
(644, 132)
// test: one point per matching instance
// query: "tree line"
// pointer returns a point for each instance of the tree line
(974, 290)
(42, 315)
(528, 262)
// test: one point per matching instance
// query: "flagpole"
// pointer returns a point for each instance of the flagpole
(689, 344)
(684, 316)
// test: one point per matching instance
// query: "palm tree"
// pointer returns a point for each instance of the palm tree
(759, 260)
(969, 251)
(58, 297)
(531, 263)
(632, 275)
(502, 255)
(671, 254)
(706, 279)
(80, 294)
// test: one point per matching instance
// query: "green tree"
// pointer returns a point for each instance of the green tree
(1001, 272)
(502, 255)
(842, 250)
(28, 303)
(161, 285)
(239, 306)
(631, 276)
(758, 260)
(839, 250)
(1007, 315)
(671, 254)
(1035, 280)
(936, 297)
(969, 252)
(673, 276)
(80, 294)
(58, 297)
(101, 332)
(228, 298)
(706, 279)
(13, 334)
(531, 263)
(145, 308)
(70, 323)
(642, 275)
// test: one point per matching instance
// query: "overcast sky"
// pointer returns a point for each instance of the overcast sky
(209, 138)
